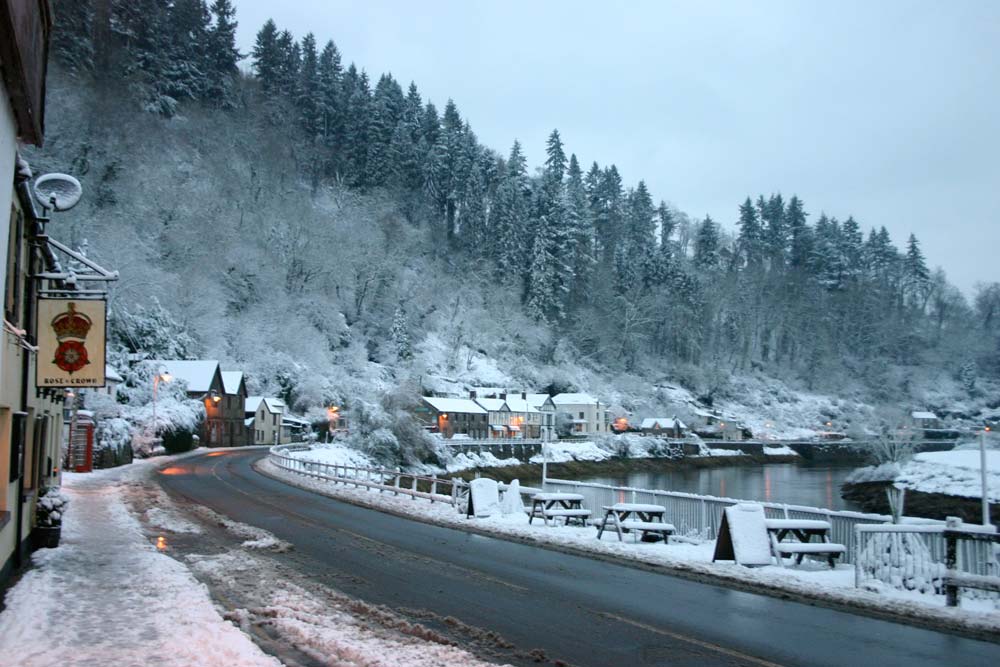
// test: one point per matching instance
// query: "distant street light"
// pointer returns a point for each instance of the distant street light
(982, 470)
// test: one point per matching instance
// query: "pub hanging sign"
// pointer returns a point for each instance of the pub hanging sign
(71, 338)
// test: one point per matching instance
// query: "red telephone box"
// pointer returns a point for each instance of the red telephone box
(80, 453)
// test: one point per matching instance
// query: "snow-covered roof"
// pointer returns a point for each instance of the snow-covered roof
(574, 399)
(274, 405)
(231, 381)
(198, 374)
(111, 374)
(664, 422)
(537, 400)
(491, 404)
(291, 420)
(919, 414)
(518, 404)
(463, 405)
(248, 422)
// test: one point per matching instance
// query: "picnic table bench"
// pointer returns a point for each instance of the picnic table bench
(803, 530)
(569, 506)
(637, 518)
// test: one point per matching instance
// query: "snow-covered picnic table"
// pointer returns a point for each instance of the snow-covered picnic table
(803, 530)
(569, 506)
(636, 517)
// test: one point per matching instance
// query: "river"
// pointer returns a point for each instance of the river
(794, 484)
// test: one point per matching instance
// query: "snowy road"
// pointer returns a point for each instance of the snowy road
(543, 603)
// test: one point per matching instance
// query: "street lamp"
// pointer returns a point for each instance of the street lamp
(159, 377)
(982, 470)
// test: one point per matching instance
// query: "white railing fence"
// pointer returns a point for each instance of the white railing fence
(700, 516)
(909, 556)
(453, 491)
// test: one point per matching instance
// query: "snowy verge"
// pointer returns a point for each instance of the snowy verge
(812, 582)
(107, 596)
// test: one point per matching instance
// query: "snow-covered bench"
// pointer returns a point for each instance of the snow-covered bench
(569, 506)
(803, 530)
(637, 518)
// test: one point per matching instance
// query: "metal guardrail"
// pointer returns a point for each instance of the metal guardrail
(383, 479)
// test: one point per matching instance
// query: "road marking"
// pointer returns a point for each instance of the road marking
(689, 640)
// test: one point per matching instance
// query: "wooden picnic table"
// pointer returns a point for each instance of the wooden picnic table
(803, 530)
(638, 518)
(569, 506)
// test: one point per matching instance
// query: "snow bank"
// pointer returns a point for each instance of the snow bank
(463, 461)
(564, 451)
(783, 450)
(955, 473)
(333, 454)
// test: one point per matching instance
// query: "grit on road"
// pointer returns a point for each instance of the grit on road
(569, 609)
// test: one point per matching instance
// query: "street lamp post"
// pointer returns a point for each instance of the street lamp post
(982, 471)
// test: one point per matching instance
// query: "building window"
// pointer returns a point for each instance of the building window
(581, 416)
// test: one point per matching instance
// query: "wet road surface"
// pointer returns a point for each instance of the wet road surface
(550, 607)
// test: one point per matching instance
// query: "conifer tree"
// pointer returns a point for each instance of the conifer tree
(267, 57)
(750, 242)
(706, 245)
(400, 334)
(72, 42)
(222, 55)
(308, 89)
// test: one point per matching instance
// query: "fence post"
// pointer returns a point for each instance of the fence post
(396, 482)
(434, 488)
(857, 556)
(951, 591)
(414, 488)
(702, 522)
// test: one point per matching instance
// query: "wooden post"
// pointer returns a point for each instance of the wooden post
(396, 483)
(434, 489)
(951, 559)
(414, 488)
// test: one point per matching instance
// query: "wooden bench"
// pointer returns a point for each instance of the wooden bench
(569, 506)
(637, 519)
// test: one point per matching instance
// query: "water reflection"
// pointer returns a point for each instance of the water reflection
(815, 486)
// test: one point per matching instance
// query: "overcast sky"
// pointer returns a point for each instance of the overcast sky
(887, 111)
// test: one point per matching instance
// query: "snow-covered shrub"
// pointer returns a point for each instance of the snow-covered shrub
(51, 507)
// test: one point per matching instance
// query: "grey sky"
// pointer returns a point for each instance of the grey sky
(888, 111)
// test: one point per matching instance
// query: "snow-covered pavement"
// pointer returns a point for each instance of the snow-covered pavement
(108, 595)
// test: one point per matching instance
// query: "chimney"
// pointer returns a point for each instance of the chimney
(503, 397)
(472, 394)
(524, 396)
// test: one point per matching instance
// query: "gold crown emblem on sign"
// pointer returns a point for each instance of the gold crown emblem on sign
(71, 324)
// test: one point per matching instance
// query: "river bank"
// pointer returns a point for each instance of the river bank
(871, 497)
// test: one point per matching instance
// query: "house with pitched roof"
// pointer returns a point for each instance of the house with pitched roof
(263, 418)
(234, 398)
(586, 414)
(453, 416)
(203, 379)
